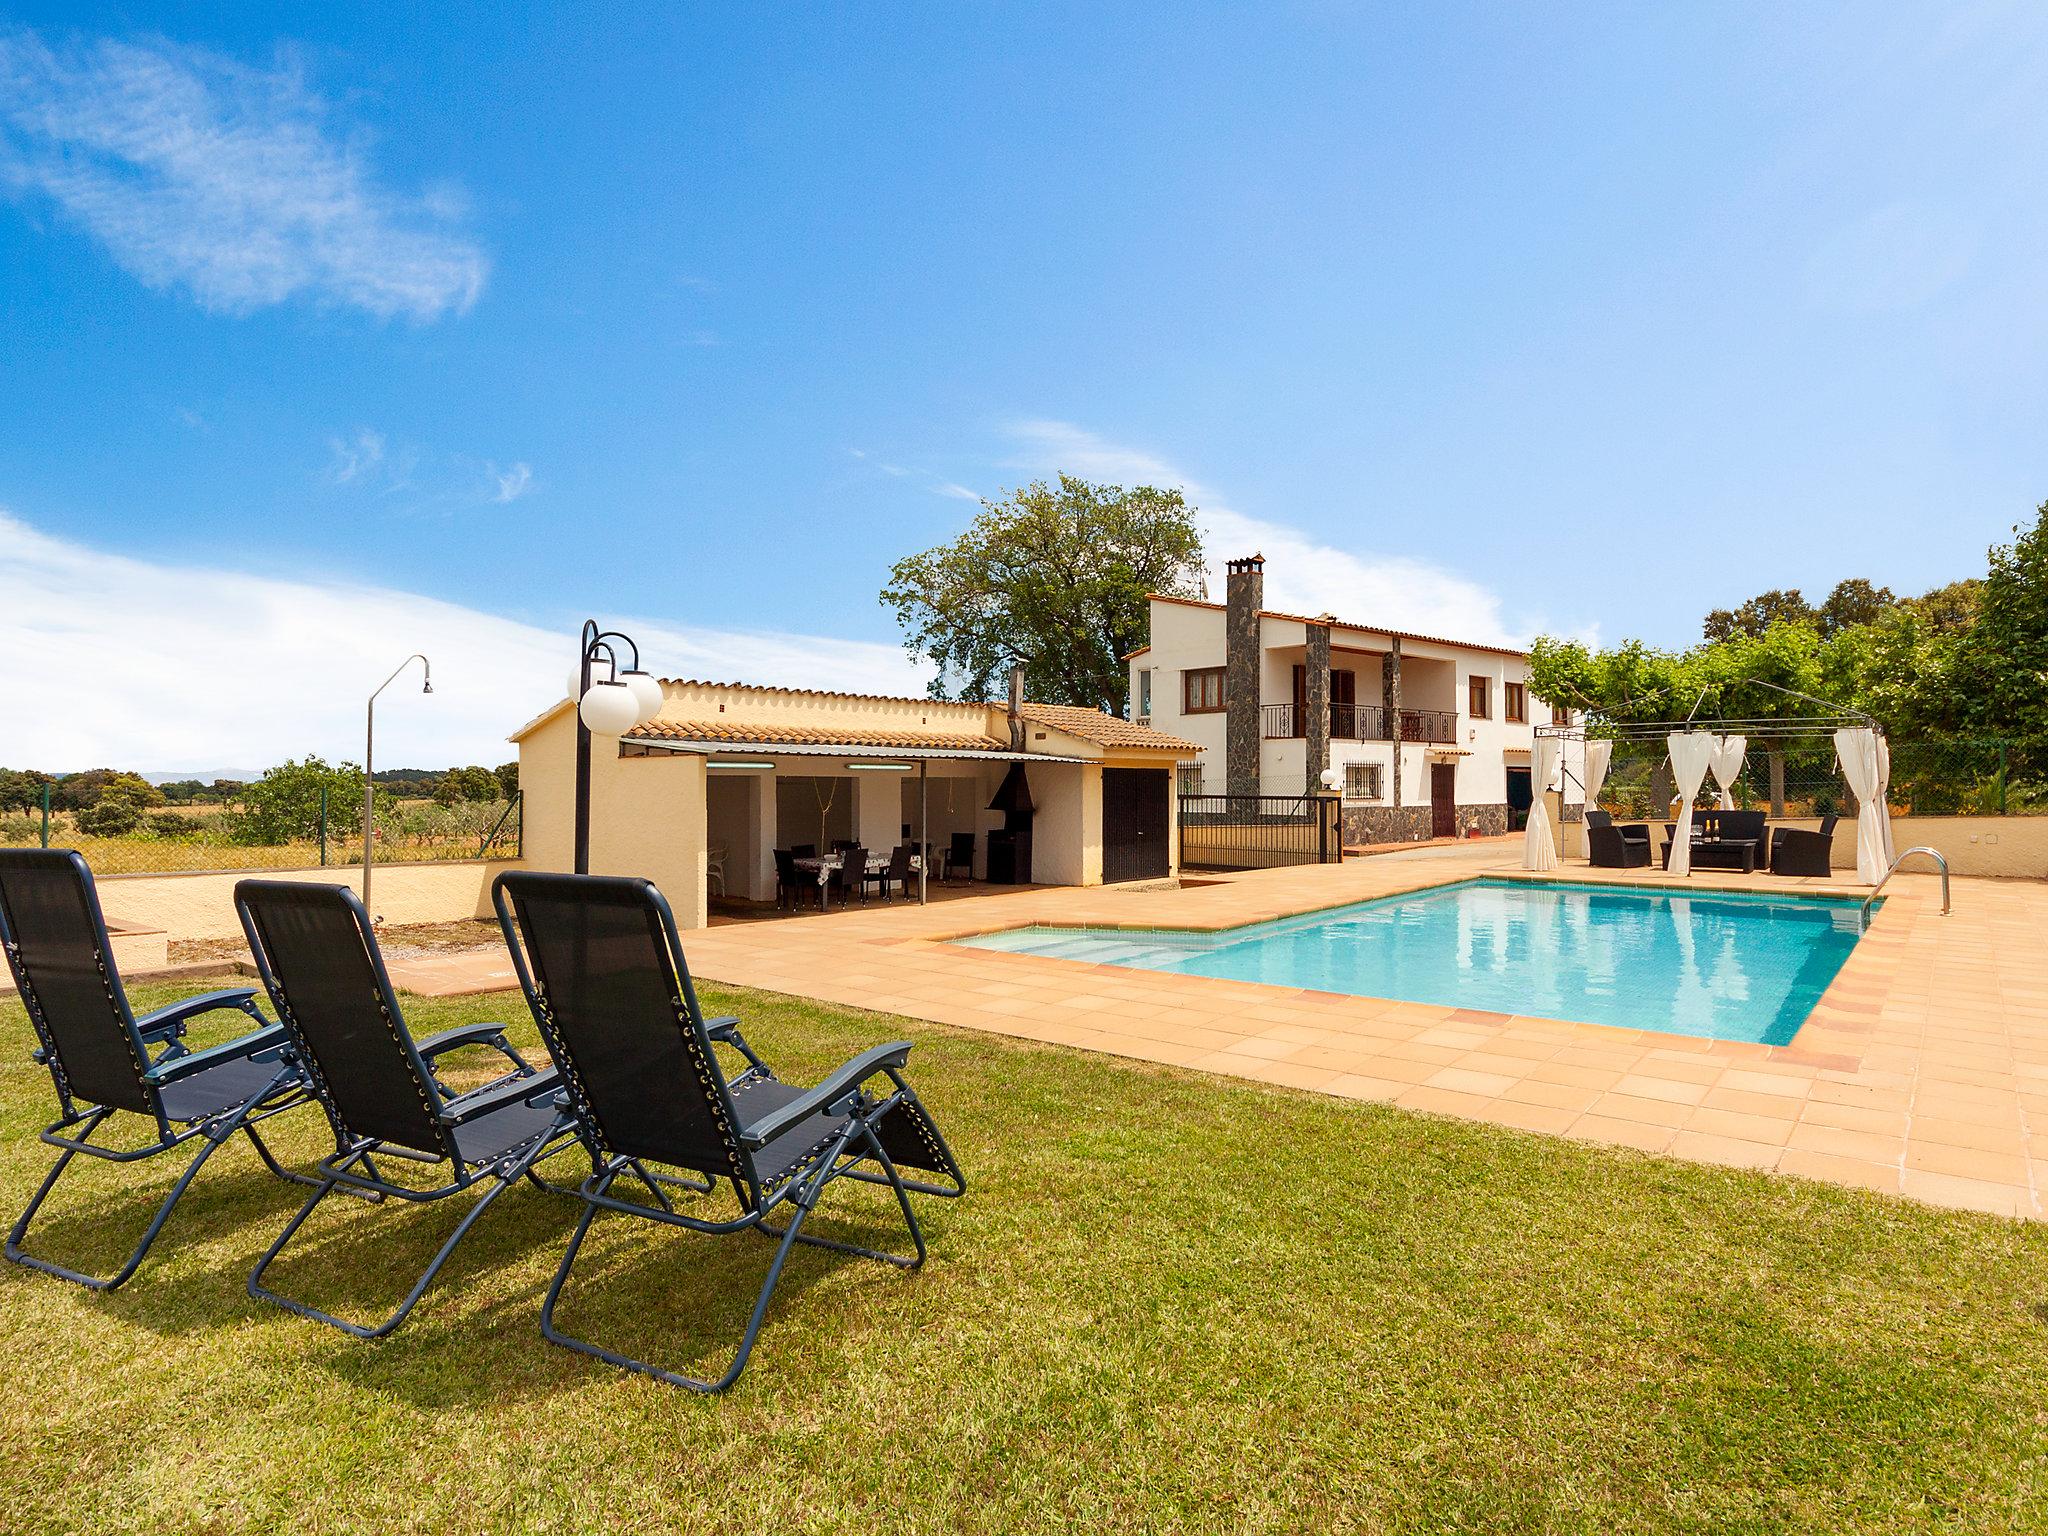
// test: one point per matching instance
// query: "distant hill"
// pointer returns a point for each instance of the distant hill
(205, 775)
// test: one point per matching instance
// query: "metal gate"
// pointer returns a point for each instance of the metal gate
(1258, 831)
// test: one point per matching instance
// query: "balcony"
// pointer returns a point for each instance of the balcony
(1361, 722)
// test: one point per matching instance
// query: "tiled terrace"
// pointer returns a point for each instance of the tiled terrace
(1923, 1071)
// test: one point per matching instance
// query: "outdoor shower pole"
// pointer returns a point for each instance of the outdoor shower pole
(369, 768)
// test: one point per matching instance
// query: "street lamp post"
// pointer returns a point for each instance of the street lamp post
(608, 706)
(369, 768)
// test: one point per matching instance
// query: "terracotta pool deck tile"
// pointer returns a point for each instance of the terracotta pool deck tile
(1463, 1080)
(1933, 1036)
(1621, 1133)
(1552, 1095)
(1729, 1151)
(1623, 1106)
(1840, 1170)
(1863, 1146)
(1765, 1130)
(1353, 1085)
(1968, 1194)
(1671, 1090)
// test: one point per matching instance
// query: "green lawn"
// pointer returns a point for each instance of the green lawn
(1167, 1303)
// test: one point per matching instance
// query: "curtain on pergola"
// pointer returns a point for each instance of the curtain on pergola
(1538, 851)
(1726, 762)
(1866, 764)
(1690, 752)
(1598, 755)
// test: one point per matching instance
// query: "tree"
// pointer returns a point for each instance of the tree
(1853, 602)
(2002, 669)
(466, 784)
(118, 806)
(1055, 578)
(284, 805)
(508, 779)
(76, 791)
(21, 789)
(1759, 614)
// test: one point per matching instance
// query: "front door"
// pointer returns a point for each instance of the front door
(1519, 797)
(1136, 820)
(1443, 799)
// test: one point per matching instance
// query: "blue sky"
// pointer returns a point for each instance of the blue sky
(330, 328)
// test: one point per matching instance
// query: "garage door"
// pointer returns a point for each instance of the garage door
(1135, 823)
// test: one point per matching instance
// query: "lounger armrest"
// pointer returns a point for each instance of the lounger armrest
(724, 1027)
(172, 1017)
(175, 1067)
(836, 1087)
(544, 1084)
(461, 1035)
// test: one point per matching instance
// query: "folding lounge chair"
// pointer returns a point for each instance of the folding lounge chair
(100, 1055)
(319, 960)
(603, 969)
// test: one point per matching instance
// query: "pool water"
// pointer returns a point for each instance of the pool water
(1728, 966)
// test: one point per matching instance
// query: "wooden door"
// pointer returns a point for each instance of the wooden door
(1443, 799)
(1136, 819)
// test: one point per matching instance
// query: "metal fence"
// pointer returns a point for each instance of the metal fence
(1258, 831)
(196, 838)
(1945, 777)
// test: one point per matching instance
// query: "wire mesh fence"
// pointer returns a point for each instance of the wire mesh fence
(1793, 779)
(194, 838)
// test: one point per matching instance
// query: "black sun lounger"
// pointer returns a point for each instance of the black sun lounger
(603, 969)
(319, 960)
(105, 1061)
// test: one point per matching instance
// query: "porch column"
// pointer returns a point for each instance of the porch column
(1316, 729)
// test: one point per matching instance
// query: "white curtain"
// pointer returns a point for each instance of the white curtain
(1690, 752)
(1884, 784)
(1727, 765)
(1538, 851)
(1865, 765)
(1598, 755)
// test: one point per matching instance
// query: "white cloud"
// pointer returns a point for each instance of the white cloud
(513, 483)
(1303, 573)
(233, 183)
(355, 457)
(956, 491)
(125, 662)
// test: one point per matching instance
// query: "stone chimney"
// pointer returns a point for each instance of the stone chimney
(1016, 706)
(1244, 596)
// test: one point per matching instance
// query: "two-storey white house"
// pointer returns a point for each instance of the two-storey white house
(1432, 737)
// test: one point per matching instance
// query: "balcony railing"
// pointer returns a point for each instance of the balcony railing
(1361, 722)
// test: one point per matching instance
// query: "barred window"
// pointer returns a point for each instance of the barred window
(1189, 776)
(1362, 781)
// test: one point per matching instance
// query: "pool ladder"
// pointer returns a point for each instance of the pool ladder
(1863, 912)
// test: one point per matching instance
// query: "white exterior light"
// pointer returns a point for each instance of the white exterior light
(1333, 778)
(608, 709)
(646, 694)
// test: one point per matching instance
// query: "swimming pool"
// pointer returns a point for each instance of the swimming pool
(1727, 966)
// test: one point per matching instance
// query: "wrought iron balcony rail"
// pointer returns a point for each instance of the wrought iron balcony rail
(1361, 722)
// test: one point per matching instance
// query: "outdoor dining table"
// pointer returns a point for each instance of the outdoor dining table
(825, 865)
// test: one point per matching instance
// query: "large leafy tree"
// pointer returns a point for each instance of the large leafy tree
(1054, 577)
(286, 804)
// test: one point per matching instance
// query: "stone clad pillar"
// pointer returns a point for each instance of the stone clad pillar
(1315, 730)
(1244, 597)
(1390, 679)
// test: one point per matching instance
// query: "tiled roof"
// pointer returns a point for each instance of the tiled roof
(745, 733)
(1104, 730)
(1336, 623)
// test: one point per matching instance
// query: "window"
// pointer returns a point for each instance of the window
(1514, 703)
(1188, 778)
(1560, 714)
(1478, 706)
(1201, 691)
(1362, 781)
(1145, 694)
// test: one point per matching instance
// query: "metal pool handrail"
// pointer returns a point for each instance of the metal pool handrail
(1863, 912)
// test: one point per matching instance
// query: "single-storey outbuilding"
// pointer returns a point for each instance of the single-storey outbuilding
(728, 771)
